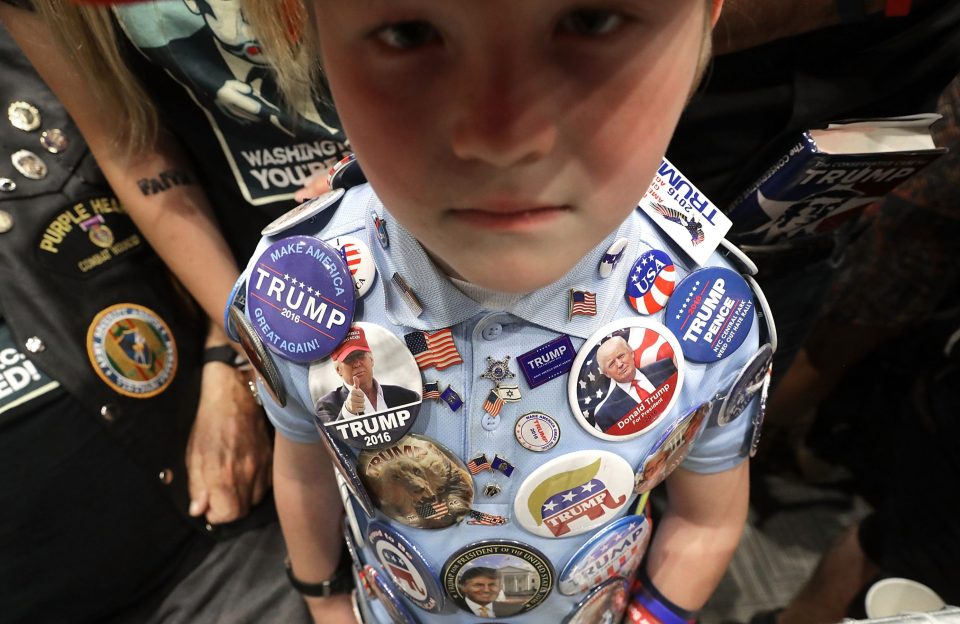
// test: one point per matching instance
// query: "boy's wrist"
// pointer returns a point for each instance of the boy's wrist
(649, 606)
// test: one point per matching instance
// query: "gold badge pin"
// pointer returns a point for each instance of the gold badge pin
(54, 141)
(29, 164)
(23, 116)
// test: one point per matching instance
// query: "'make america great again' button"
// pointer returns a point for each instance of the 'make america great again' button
(300, 298)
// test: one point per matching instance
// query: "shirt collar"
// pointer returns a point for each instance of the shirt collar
(444, 305)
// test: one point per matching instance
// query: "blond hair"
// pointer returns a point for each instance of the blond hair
(88, 35)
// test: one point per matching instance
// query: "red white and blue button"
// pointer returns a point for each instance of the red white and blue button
(615, 551)
(409, 570)
(651, 281)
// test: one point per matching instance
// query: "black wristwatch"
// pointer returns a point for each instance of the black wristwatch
(341, 582)
(223, 353)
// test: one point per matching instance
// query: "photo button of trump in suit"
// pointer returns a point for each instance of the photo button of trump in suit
(625, 378)
(367, 394)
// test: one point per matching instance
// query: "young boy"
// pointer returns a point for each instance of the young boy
(506, 145)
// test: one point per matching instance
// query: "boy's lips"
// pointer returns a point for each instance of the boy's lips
(509, 215)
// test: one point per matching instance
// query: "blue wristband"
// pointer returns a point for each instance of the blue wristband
(649, 606)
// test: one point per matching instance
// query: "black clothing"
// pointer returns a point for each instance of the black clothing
(755, 102)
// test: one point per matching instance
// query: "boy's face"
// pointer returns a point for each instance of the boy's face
(510, 137)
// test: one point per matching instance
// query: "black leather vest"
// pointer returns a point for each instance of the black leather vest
(84, 294)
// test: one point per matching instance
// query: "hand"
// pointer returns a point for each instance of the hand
(314, 186)
(237, 99)
(333, 610)
(229, 451)
(355, 406)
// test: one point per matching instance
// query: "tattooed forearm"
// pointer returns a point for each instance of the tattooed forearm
(165, 180)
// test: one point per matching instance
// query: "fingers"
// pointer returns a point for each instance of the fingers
(313, 186)
(356, 381)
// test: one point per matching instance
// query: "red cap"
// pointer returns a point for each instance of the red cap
(356, 340)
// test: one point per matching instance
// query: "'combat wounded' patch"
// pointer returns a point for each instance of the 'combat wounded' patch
(86, 237)
(132, 350)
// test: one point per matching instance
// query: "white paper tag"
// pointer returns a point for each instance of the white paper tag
(685, 214)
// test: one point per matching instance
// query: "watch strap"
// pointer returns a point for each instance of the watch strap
(341, 582)
(224, 354)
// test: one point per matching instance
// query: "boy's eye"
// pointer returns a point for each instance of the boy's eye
(591, 22)
(407, 35)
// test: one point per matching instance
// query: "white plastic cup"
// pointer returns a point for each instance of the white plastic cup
(896, 596)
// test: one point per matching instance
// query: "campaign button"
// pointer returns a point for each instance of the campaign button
(736, 256)
(385, 591)
(748, 383)
(6, 222)
(752, 442)
(359, 261)
(574, 493)
(350, 521)
(29, 164)
(409, 570)
(671, 449)
(615, 551)
(548, 361)
(613, 257)
(237, 298)
(367, 394)
(768, 326)
(625, 378)
(300, 298)
(23, 116)
(497, 578)
(418, 482)
(711, 313)
(353, 549)
(344, 464)
(604, 605)
(651, 282)
(260, 359)
(346, 174)
(305, 211)
(536, 431)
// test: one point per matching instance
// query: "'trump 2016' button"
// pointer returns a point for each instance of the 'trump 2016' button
(300, 298)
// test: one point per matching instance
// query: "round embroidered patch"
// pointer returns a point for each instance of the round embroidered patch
(132, 350)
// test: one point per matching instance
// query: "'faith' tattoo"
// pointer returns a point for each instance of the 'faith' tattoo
(164, 181)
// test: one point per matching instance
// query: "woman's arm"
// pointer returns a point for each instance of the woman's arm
(155, 185)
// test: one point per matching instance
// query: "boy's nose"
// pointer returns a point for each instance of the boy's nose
(503, 124)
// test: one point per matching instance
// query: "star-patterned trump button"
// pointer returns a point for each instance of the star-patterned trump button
(573, 494)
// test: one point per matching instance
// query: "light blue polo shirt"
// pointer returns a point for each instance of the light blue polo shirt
(509, 326)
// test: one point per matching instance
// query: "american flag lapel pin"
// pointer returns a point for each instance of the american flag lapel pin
(582, 303)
